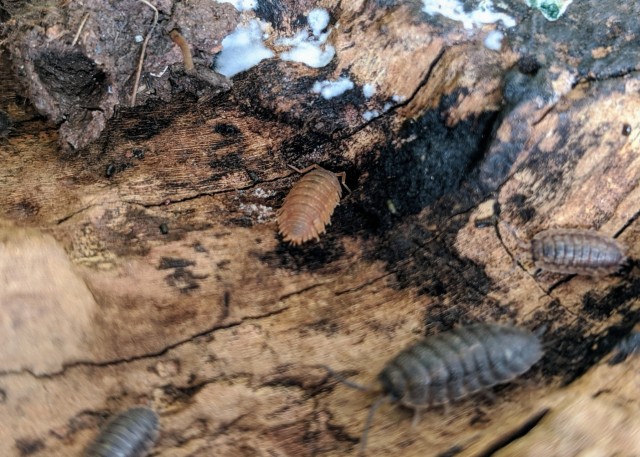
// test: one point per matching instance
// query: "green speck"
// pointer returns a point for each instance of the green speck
(550, 11)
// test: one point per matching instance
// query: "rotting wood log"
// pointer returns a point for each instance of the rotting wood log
(145, 267)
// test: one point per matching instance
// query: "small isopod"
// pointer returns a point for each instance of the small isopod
(129, 434)
(5, 124)
(628, 346)
(110, 170)
(576, 251)
(573, 251)
(452, 365)
(308, 207)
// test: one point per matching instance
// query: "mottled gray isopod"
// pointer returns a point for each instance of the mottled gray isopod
(629, 345)
(129, 434)
(446, 367)
(576, 251)
(573, 251)
(5, 124)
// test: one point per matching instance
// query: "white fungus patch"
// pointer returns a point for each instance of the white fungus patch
(493, 40)
(242, 49)
(330, 89)
(368, 115)
(310, 54)
(453, 9)
(261, 213)
(368, 90)
(261, 193)
(310, 49)
(318, 20)
(241, 5)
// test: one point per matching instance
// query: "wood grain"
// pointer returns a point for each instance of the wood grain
(164, 282)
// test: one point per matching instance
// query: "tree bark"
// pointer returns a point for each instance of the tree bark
(146, 268)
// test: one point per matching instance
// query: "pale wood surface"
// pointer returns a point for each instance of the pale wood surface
(220, 327)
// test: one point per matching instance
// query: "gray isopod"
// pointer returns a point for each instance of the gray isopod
(576, 251)
(129, 434)
(628, 346)
(449, 366)
(5, 125)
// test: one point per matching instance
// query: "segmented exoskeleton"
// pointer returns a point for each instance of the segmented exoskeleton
(308, 207)
(129, 434)
(451, 365)
(628, 346)
(576, 251)
(573, 251)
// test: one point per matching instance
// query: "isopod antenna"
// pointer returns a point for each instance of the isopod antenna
(342, 380)
(372, 410)
(367, 425)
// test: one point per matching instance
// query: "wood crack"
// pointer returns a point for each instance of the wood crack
(163, 351)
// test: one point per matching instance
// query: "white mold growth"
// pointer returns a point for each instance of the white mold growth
(318, 20)
(310, 54)
(261, 193)
(261, 213)
(242, 49)
(330, 89)
(493, 40)
(309, 45)
(454, 9)
(241, 5)
(369, 115)
(368, 90)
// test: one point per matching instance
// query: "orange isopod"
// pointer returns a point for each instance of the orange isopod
(308, 207)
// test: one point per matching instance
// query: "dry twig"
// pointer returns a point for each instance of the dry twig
(142, 52)
(75, 38)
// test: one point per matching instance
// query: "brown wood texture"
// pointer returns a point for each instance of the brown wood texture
(146, 269)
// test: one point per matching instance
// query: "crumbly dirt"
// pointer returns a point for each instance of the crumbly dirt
(146, 267)
(78, 86)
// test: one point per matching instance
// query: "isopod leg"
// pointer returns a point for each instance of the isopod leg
(416, 417)
(342, 176)
(522, 244)
(489, 396)
(305, 170)
(342, 380)
(446, 408)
